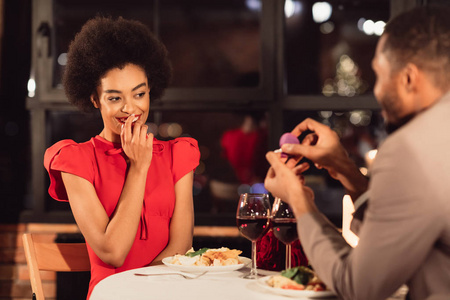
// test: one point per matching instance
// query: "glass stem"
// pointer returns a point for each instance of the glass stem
(288, 256)
(253, 271)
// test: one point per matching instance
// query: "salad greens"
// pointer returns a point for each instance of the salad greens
(198, 252)
(300, 274)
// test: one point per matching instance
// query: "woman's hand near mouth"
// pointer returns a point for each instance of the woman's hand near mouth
(137, 144)
(133, 119)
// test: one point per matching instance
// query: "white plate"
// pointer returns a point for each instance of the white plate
(197, 269)
(262, 282)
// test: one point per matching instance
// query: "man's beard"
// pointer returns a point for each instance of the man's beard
(391, 127)
(391, 102)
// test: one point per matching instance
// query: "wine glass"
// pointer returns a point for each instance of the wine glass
(284, 226)
(252, 218)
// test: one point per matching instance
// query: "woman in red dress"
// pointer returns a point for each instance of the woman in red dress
(130, 194)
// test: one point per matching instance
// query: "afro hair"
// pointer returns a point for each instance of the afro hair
(105, 43)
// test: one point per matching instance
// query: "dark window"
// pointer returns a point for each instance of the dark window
(330, 45)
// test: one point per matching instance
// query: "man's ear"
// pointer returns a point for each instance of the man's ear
(411, 77)
(94, 100)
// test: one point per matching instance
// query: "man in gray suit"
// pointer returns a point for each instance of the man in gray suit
(405, 229)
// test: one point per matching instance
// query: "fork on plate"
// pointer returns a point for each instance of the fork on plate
(172, 273)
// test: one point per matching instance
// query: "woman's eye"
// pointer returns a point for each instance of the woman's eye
(140, 95)
(113, 99)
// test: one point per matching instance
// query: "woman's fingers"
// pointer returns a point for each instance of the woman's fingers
(136, 133)
(133, 130)
(149, 140)
(125, 134)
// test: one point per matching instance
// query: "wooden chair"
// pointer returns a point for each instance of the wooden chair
(58, 257)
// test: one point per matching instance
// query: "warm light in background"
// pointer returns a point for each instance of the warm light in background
(371, 27)
(321, 11)
(165, 130)
(152, 128)
(174, 130)
(370, 156)
(254, 5)
(347, 82)
(62, 59)
(292, 7)
(364, 171)
(327, 27)
(360, 118)
(347, 215)
(31, 86)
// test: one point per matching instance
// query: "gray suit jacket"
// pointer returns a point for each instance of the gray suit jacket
(405, 234)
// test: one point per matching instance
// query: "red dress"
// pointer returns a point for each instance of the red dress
(103, 164)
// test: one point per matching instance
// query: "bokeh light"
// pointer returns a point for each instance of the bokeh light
(292, 7)
(244, 188)
(321, 11)
(31, 86)
(62, 59)
(174, 130)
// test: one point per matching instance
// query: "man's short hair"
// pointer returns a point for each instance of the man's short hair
(421, 36)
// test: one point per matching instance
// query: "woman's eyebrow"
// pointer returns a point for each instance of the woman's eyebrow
(113, 91)
(138, 86)
(118, 92)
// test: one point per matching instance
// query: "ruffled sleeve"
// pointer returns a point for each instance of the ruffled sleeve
(185, 157)
(67, 156)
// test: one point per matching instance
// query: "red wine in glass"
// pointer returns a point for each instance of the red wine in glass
(285, 229)
(284, 226)
(252, 220)
(252, 228)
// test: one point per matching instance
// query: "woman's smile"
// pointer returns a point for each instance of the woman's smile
(122, 120)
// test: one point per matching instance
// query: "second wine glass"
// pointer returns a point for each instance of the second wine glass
(252, 218)
(284, 227)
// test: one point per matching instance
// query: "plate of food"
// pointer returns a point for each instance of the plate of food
(206, 259)
(298, 282)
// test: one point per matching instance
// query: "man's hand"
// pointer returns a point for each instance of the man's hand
(287, 184)
(322, 146)
(324, 149)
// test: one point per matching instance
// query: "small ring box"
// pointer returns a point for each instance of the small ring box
(288, 138)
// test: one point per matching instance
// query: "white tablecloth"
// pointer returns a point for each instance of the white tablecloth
(211, 286)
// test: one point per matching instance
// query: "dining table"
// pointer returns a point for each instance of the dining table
(164, 283)
(167, 284)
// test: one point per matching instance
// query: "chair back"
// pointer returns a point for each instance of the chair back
(58, 257)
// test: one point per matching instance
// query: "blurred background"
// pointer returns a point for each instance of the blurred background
(245, 72)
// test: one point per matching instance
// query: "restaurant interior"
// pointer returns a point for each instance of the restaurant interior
(252, 68)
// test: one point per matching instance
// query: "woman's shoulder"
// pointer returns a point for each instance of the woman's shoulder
(69, 148)
(184, 141)
(183, 153)
(177, 144)
(70, 145)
